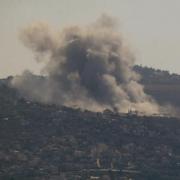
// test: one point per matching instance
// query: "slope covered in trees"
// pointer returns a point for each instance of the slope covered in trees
(48, 142)
(162, 85)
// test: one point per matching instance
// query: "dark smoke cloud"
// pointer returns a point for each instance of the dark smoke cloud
(88, 67)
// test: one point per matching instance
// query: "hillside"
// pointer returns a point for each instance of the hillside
(162, 85)
(157, 76)
(49, 142)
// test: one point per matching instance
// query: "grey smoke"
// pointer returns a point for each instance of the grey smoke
(88, 67)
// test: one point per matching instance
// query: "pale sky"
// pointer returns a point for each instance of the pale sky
(151, 27)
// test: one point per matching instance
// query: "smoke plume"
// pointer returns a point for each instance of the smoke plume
(88, 67)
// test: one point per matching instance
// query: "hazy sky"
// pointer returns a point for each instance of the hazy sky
(151, 27)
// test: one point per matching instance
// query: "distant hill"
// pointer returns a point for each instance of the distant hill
(157, 76)
(162, 85)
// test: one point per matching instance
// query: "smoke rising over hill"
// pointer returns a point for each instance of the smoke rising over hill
(88, 67)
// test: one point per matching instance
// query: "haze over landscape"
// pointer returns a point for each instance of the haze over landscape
(150, 27)
(89, 90)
